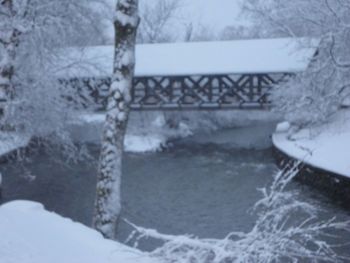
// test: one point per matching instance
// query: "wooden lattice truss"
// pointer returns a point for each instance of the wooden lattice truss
(186, 92)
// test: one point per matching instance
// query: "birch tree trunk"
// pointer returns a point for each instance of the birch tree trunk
(107, 202)
(9, 41)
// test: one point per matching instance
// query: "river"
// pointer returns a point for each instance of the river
(202, 186)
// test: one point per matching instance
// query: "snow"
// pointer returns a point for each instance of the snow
(30, 234)
(282, 127)
(142, 144)
(325, 147)
(196, 58)
(10, 142)
(346, 101)
(140, 138)
(92, 118)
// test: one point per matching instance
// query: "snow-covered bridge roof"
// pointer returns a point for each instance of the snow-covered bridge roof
(198, 58)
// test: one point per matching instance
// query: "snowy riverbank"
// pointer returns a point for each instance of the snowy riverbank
(149, 135)
(30, 234)
(326, 146)
(145, 133)
(10, 142)
(151, 131)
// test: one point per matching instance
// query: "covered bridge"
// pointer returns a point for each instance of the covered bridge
(196, 75)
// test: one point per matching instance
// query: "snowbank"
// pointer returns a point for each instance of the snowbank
(148, 135)
(326, 147)
(29, 234)
(144, 143)
(10, 142)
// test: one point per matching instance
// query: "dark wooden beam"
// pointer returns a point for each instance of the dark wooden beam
(205, 92)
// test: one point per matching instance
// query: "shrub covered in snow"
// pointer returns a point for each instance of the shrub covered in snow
(314, 95)
(311, 97)
(274, 237)
(32, 99)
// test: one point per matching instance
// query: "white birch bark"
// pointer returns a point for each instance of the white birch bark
(108, 203)
(8, 44)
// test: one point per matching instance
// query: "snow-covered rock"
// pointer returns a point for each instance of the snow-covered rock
(30, 234)
(326, 147)
(283, 127)
(145, 134)
(142, 144)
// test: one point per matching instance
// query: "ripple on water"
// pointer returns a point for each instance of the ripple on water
(201, 190)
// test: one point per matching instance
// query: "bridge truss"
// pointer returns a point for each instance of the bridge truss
(205, 92)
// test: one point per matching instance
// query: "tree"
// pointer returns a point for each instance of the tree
(107, 204)
(0, 188)
(33, 34)
(241, 32)
(314, 95)
(158, 21)
(9, 34)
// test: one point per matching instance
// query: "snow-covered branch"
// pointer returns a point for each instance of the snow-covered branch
(274, 237)
(314, 95)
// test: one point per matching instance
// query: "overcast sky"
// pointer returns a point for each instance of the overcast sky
(217, 13)
(214, 14)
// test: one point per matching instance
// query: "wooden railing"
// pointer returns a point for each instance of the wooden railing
(207, 92)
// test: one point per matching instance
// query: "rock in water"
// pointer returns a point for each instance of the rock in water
(283, 127)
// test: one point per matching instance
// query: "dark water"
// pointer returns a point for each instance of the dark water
(183, 189)
(204, 190)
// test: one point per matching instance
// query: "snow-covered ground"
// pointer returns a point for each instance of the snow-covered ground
(326, 146)
(10, 142)
(30, 234)
(145, 133)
